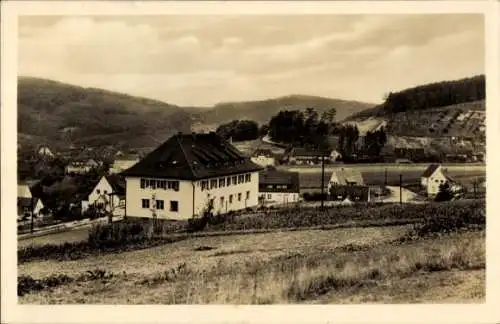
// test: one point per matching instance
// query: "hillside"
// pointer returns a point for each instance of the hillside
(262, 111)
(60, 114)
(443, 109)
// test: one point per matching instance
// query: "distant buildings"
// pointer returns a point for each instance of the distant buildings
(263, 158)
(310, 156)
(278, 187)
(81, 167)
(187, 174)
(123, 162)
(44, 151)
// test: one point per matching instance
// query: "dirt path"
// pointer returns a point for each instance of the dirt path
(407, 196)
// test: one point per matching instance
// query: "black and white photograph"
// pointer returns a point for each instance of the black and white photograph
(322, 158)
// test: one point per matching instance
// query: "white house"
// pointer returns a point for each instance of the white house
(263, 158)
(45, 151)
(180, 178)
(108, 194)
(345, 177)
(435, 176)
(26, 203)
(81, 166)
(278, 187)
(123, 163)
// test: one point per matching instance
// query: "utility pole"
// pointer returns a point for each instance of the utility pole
(32, 207)
(322, 179)
(385, 177)
(401, 188)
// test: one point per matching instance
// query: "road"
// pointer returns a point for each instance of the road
(407, 196)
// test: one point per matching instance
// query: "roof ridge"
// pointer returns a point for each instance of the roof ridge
(185, 155)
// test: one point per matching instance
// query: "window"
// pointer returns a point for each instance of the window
(235, 180)
(162, 184)
(160, 204)
(241, 178)
(204, 185)
(174, 206)
(222, 182)
(222, 201)
(143, 183)
(152, 184)
(230, 199)
(248, 195)
(105, 192)
(269, 196)
(247, 177)
(145, 203)
(239, 196)
(228, 180)
(98, 191)
(213, 184)
(269, 186)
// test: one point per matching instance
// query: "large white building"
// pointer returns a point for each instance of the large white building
(180, 178)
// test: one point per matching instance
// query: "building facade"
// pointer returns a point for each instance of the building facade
(278, 187)
(108, 194)
(186, 174)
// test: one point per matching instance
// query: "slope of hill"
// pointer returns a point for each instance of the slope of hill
(60, 114)
(448, 108)
(262, 111)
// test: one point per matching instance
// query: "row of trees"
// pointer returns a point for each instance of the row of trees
(239, 130)
(435, 95)
(302, 127)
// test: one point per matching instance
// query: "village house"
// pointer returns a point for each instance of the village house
(263, 158)
(108, 195)
(81, 167)
(435, 176)
(310, 156)
(44, 150)
(123, 162)
(186, 174)
(345, 177)
(348, 185)
(278, 187)
(27, 204)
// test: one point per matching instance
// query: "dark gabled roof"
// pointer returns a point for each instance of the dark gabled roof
(348, 175)
(118, 184)
(274, 177)
(430, 170)
(192, 157)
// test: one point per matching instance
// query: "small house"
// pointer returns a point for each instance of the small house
(435, 176)
(108, 194)
(44, 150)
(28, 207)
(81, 166)
(311, 156)
(346, 177)
(278, 187)
(349, 194)
(263, 158)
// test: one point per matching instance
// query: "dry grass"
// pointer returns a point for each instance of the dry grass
(311, 266)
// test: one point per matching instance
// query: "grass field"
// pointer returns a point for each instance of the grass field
(336, 266)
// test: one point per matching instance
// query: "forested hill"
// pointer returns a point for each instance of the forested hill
(429, 96)
(262, 111)
(59, 113)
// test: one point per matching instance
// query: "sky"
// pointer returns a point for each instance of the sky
(204, 60)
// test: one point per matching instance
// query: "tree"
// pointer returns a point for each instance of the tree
(445, 193)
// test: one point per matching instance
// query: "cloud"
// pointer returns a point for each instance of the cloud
(194, 60)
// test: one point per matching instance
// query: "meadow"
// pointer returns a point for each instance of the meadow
(440, 257)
